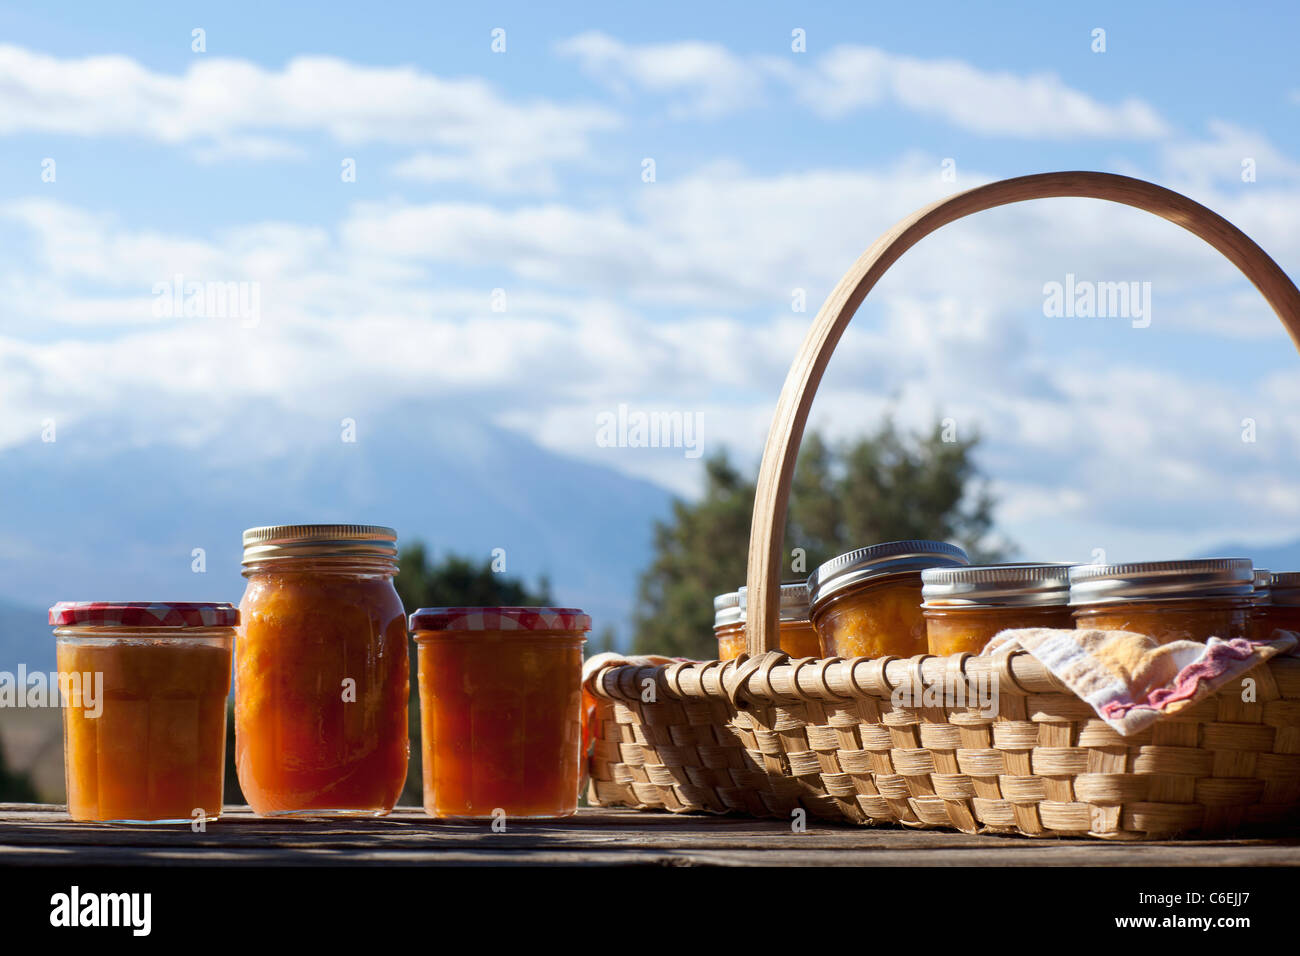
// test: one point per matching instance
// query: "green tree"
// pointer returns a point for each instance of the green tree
(885, 486)
(453, 581)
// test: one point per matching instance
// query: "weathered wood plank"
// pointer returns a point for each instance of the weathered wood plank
(43, 835)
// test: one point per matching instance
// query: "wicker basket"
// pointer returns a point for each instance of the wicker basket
(766, 735)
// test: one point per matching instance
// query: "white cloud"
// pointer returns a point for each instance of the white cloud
(1032, 106)
(706, 79)
(234, 108)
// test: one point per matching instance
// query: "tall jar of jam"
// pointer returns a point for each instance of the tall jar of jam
(1283, 607)
(500, 710)
(965, 607)
(144, 719)
(867, 603)
(1166, 600)
(321, 672)
(798, 636)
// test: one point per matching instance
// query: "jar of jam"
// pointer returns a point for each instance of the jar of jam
(729, 625)
(867, 603)
(965, 607)
(321, 672)
(144, 717)
(1167, 600)
(798, 636)
(1260, 599)
(500, 710)
(1283, 607)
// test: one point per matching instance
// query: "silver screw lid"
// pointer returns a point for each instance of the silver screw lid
(1261, 595)
(1161, 580)
(1284, 588)
(794, 601)
(726, 610)
(997, 585)
(880, 561)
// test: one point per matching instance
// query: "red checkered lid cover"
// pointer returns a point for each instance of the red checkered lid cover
(142, 614)
(500, 619)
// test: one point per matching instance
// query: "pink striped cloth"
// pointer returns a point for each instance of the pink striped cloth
(1129, 679)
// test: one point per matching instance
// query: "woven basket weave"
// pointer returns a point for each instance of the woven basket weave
(766, 736)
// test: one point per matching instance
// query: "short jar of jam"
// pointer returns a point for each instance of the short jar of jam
(867, 603)
(798, 636)
(500, 710)
(321, 672)
(1166, 600)
(1260, 599)
(144, 719)
(965, 607)
(1283, 607)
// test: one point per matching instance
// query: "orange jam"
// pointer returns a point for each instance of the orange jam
(1169, 621)
(968, 630)
(797, 635)
(144, 722)
(965, 607)
(877, 620)
(500, 710)
(1283, 607)
(1168, 600)
(867, 603)
(321, 672)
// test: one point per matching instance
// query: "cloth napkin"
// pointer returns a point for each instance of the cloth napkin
(1129, 679)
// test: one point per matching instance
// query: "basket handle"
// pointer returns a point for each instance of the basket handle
(772, 495)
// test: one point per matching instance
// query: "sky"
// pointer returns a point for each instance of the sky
(542, 215)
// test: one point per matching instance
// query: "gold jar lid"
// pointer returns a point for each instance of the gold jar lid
(280, 542)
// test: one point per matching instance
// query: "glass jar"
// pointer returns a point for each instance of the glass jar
(729, 625)
(1167, 600)
(965, 607)
(1283, 607)
(798, 637)
(500, 710)
(321, 672)
(144, 719)
(867, 603)
(1260, 599)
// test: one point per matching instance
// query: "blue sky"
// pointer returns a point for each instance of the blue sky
(521, 171)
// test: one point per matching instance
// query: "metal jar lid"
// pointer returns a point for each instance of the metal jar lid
(1161, 580)
(880, 561)
(1261, 595)
(1284, 588)
(996, 585)
(794, 602)
(726, 610)
(368, 543)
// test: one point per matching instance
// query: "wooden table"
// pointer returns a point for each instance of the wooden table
(32, 834)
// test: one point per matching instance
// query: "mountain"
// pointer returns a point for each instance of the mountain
(107, 512)
(1277, 557)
